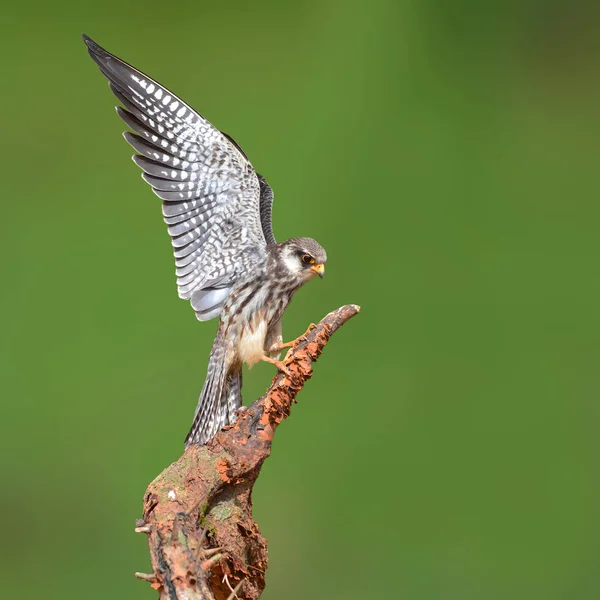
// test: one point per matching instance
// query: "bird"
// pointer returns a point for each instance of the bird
(218, 211)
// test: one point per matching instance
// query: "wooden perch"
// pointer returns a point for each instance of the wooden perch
(203, 541)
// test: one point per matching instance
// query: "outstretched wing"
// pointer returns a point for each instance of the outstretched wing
(211, 194)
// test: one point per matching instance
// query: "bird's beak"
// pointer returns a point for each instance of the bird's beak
(318, 270)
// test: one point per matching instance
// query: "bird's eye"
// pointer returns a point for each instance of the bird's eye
(307, 259)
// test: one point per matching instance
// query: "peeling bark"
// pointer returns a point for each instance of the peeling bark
(203, 541)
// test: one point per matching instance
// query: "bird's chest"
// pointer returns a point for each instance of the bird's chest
(251, 315)
(251, 342)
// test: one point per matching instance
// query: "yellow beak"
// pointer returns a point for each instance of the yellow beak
(318, 270)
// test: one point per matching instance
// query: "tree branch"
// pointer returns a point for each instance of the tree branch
(203, 541)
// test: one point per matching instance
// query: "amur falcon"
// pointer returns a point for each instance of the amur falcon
(218, 212)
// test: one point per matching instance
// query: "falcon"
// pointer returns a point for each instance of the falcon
(218, 212)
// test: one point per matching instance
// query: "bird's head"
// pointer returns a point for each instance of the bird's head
(303, 258)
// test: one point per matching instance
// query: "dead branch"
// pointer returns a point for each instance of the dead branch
(204, 544)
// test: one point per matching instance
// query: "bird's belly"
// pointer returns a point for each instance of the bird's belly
(251, 346)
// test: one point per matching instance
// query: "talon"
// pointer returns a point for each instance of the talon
(279, 346)
(281, 366)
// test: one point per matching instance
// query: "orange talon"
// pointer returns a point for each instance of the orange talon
(281, 366)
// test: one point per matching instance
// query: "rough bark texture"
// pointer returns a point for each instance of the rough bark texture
(198, 511)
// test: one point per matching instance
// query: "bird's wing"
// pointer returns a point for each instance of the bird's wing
(212, 197)
(266, 209)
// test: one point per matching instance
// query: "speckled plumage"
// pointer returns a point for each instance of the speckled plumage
(218, 213)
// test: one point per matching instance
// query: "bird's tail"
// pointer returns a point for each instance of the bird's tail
(220, 398)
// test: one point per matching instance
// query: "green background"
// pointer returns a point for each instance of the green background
(446, 155)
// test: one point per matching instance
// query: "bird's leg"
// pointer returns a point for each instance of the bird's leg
(279, 345)
(281, 366)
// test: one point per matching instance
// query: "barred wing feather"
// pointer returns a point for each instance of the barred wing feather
(217, 210)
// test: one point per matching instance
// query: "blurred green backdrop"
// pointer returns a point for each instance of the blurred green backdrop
(446, 155)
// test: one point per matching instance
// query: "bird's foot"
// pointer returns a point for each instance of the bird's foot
(281, 366)
(277, 347)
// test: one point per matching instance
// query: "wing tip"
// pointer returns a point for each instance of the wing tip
(95, 50)
(112, 67)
